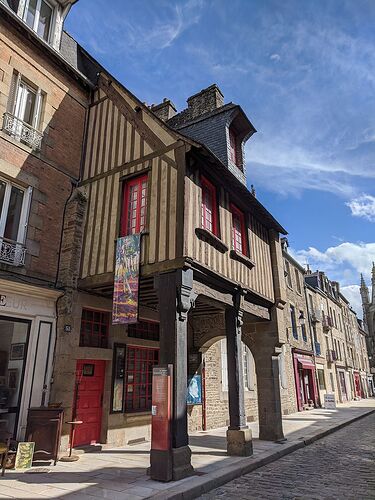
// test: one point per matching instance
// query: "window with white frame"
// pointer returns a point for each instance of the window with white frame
(23, 118)
(14, 212)
(39, 16)
(248, 367)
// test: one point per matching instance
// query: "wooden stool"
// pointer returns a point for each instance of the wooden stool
(70, 457)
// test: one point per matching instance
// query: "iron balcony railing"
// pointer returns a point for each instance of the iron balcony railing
(22, 131)
(12, 253)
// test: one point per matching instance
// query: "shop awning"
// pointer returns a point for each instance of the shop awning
(306, 364)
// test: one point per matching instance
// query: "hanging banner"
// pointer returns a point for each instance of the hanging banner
(126, 283)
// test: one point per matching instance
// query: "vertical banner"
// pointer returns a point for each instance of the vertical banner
(126, 283)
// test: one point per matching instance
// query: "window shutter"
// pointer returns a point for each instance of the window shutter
(22, 230)
(37, 109)
(16, 78)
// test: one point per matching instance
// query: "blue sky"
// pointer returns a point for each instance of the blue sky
(303, 71)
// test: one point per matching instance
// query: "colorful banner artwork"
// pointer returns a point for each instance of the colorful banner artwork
(126, 284)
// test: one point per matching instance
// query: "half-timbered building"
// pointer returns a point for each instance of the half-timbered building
(210, 269)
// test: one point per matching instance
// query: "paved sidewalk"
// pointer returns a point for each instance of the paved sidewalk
(120, 473)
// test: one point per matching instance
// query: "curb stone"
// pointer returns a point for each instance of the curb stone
(218, 478)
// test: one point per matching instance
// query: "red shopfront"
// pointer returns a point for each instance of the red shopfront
(305, 377)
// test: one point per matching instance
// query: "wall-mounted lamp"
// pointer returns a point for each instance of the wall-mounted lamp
(301, 319)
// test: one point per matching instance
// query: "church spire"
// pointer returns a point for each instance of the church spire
(365, 299)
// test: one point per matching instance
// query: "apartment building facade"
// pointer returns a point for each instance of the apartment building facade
(43, 104)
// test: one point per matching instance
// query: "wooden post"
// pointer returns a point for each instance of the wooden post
(174, 290)
(239, 439)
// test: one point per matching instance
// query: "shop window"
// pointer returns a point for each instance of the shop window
(144, 330)
(22, 120)
(209, 206)
(38, 15)
(94, 328)
(14, 335)
(321, 379)
(239, 241)
(134, 206)
(293, 321)
(138, 377)
(14, 212)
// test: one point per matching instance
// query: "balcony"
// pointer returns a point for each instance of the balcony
(326, 323)
(331, 356)
(318, 350)
(12, 253)
(22, 131)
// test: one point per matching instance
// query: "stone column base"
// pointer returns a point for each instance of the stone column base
(171, 465)
(239, 442)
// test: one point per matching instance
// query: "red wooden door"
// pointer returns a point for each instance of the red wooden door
(89, 401)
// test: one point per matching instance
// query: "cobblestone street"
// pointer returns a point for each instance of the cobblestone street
(342, 465)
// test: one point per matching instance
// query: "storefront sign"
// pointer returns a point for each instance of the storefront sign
(329, 402)
(161, 408)
(24, 456)
(126, 283)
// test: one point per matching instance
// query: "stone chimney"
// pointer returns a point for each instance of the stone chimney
(204, 101)
(165, 110)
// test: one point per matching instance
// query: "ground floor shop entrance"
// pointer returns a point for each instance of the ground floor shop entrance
(27, 338)
(306, 387)
(342, 383)
(14, 339)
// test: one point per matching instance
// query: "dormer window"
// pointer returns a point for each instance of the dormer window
(38, 14)
(233, 146)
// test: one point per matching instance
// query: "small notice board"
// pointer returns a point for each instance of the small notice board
(24, 456)
(329, 402)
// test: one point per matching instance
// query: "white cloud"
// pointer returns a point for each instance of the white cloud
(351, 292)
(275, 57)
(343, 262)
(363, 206)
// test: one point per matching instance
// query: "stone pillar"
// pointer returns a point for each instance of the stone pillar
(174, 290)
(269, 399)
(239, 438)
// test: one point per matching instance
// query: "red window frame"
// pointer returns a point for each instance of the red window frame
(138, 377)
(209, 206)
(94, 328)
(135, 193)
(238, 229)
(233, 146)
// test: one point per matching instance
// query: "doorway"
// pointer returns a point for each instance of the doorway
(88, 401)
(14, 338)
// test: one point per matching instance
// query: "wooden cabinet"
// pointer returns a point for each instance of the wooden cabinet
(44, 429)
